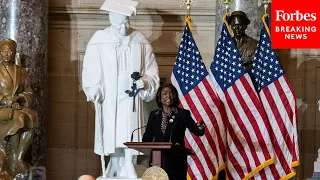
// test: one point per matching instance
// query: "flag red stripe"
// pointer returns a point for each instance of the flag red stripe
(280, 121)
(235, 164)
(197, 115)
(212, 119)
(255, 126)
(229, 175)
(196, 158)
(274, 171)
(258, 106)
(282, 128)
(240, 124)
(233, 135)
(295, 158)
(289, 110)
(262, 113)
(199, 166)
(250, 116)
(188, 102)
(284, 100)
(213, 96)
(220, 106)
(257, 103)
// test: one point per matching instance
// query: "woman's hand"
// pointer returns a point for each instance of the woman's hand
(201, 124)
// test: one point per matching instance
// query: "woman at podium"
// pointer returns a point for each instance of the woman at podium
(168, 124)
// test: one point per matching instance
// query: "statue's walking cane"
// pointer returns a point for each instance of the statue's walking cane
(98, 109)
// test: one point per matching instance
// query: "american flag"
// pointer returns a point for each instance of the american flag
(249, 148)
(279, 102)
(196, 94)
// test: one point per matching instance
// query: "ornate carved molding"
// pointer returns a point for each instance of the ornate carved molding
(154, 4)
(140, 11)
(93, 18)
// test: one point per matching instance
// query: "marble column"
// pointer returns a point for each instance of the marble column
(26, 22)
(250, 7)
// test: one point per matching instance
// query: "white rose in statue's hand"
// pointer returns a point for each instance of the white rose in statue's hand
(140, 84)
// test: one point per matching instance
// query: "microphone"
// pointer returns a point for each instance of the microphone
(171, 121)
(170, 135)
(135, 130)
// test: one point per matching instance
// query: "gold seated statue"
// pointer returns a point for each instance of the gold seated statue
(17, 121)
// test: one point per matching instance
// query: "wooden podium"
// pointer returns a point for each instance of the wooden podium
(155, 148)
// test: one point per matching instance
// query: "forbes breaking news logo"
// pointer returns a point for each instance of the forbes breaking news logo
(294, 27)
(295, 32)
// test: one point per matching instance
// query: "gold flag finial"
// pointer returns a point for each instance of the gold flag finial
(226, 3)
(189, 4)
(266, 4)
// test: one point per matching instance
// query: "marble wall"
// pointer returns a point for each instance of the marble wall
(71, 118)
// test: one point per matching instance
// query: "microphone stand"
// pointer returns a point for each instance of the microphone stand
(170, 135)
(135, 130)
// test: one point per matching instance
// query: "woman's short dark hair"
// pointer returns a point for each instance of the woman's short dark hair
(175, 98)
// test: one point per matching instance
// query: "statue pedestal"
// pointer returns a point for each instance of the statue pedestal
(317, 166)
(140, 169)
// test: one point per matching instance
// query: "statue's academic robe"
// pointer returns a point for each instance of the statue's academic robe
(107, 68)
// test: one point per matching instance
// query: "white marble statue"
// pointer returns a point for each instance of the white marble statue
(112, 55)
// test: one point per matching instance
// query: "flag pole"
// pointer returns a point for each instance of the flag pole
(188, 4)
(227, 4)
(266, 5)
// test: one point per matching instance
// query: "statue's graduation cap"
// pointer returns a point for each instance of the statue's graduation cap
(125, 7)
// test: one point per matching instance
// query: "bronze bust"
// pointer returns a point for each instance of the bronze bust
(17, 121)
(245, 44)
